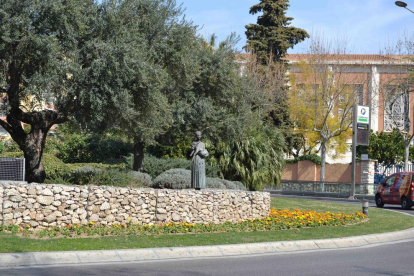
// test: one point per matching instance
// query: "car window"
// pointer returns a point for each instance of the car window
(390, 181)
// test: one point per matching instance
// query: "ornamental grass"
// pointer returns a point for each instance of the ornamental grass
(277, 220)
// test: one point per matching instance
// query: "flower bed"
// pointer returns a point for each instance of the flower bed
(277, 220)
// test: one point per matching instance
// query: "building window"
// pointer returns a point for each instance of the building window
(396, 108)
(357, 91)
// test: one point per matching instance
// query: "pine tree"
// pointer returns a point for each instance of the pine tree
(272, 36)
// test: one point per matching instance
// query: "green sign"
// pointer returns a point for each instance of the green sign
(363, 114)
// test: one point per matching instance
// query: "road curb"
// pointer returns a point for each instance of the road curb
(8, 260)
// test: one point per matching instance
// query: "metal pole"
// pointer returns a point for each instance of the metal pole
(354, 133)
(408, 9)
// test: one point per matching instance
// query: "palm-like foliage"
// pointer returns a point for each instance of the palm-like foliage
(257, 160)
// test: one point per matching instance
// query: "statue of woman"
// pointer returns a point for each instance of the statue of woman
(198, 164)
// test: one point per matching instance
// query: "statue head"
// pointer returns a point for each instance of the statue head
(198, 135)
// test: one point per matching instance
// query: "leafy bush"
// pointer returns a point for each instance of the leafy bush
(14, 154)
(181, 149)
(215, 183)
(212, 170)
(54, 167)
(2, 147)
(102, 166)
(144, 178)
(256, 160)
(173, 179)
(88, 175)
(155, 166)
(11, 146)
(181, 179)
(75, 149)
(233, 185)
(309, 157)
(84, 175)
(79, 148)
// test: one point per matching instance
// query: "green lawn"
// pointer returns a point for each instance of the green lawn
(379, 221)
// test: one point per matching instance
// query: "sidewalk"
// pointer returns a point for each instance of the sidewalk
(135, 255)
(314, 195)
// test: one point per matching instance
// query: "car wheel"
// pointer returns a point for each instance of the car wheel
(378, 201)
(405, 204)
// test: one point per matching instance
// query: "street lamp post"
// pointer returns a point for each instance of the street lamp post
(403, 5)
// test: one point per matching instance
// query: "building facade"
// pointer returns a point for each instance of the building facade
(378, 81)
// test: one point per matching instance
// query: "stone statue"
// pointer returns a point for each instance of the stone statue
(198, 164)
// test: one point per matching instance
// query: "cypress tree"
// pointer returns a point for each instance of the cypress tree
(269, 40)
(272, 36)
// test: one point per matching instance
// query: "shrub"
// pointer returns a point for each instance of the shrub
(181, 149)
(215, 183)
(84, 175)
(155, 166)
(212, 170)
(181, 179)
(14, 154)
(102, 166)
(75, 149)
(80, 148)
(54, 167)
(256, 160)
(144, 178)
(107, 148)
(309, 157)
(10, 146)
(173, 179)
(234, 185)
(89, 175)
(2, 147)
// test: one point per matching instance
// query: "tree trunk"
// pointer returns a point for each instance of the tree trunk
(33, 151)
(322, 173)
(138, 154)
(406, 153)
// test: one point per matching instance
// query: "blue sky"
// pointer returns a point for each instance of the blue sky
(368, 25)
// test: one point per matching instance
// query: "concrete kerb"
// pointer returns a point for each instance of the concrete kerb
(155, 254)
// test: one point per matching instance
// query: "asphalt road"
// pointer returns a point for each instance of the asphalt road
(382, 259)
(395, 208)
(386, 259)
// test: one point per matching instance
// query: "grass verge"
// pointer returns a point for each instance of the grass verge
(380, 221)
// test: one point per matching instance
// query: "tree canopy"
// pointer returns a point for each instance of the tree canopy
(322, 97)
(272, 36)
(42, 53)
(133, 67)
(386, 147)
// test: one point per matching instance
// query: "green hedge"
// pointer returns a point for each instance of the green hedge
(57, 172)
(54, 167)
(309, 157)
(89, 175)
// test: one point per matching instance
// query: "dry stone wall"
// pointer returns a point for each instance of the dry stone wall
(45, 205)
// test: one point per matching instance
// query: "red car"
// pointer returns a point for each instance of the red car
(396, 189)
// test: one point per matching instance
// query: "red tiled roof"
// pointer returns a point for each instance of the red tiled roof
(336, 57)
(349, 57)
